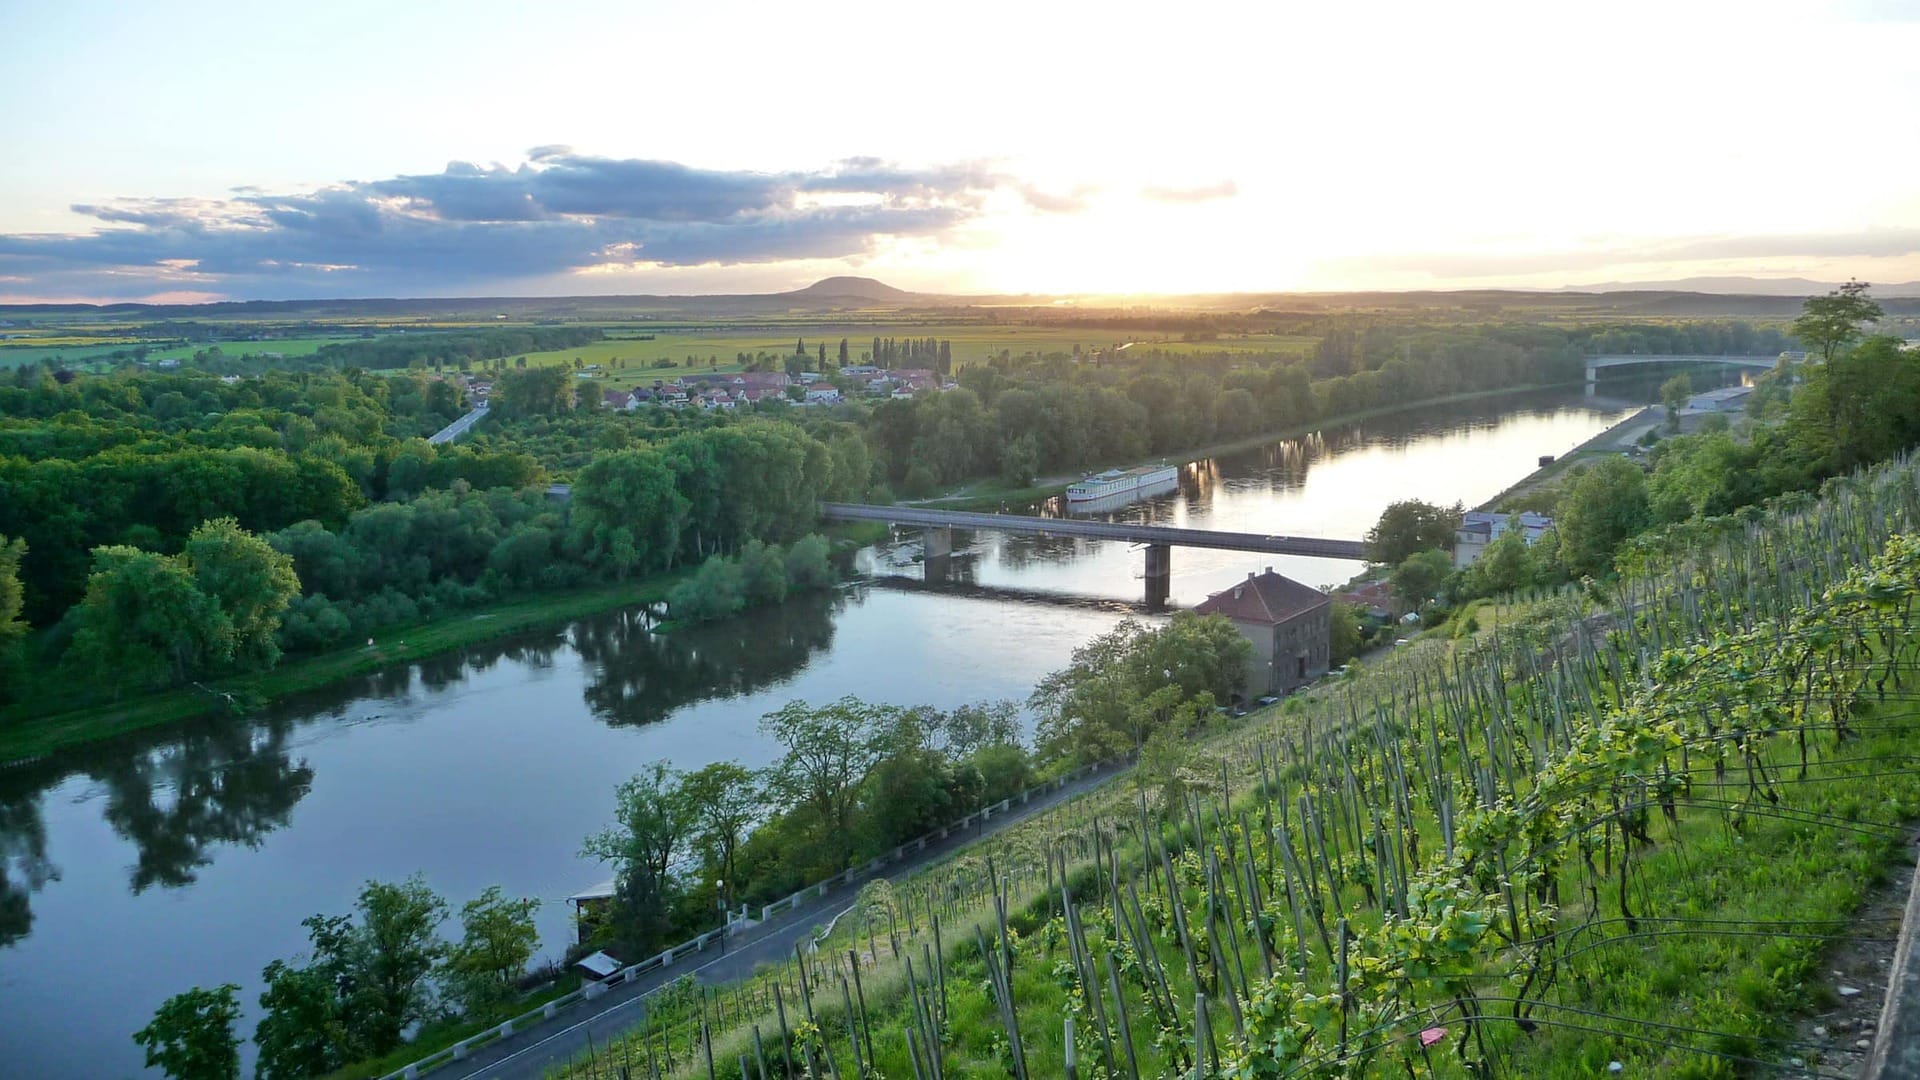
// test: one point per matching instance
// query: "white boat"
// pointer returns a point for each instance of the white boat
(1113, 482)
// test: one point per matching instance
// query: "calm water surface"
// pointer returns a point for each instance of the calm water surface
(188, 857)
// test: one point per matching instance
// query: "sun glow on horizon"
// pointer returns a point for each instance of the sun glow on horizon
(1228, 147)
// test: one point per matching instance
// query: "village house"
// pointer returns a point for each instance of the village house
(1478, 528)
(619, 399)
(1288, 625)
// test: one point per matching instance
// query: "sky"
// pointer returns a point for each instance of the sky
(191, 151)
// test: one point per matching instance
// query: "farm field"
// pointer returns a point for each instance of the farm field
(640, 344)
(971, 343)
(82, 349)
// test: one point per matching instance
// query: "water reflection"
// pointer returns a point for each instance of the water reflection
(175, 801)
(638, 676)
(225, 785)
(24, 866)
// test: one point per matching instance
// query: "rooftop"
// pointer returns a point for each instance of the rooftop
(1264, 598)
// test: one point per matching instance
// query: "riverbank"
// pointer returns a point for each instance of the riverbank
(991, 493)
(29, 739)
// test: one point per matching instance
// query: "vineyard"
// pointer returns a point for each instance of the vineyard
(1607, 834)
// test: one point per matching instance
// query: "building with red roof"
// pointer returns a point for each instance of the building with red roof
(1286, 622)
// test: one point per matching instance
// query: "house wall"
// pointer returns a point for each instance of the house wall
(1273, 665)
(1259, 680)
(1305, 636)
(1466, 548)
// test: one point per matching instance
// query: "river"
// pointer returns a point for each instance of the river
(188, 856)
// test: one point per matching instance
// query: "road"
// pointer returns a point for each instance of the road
(529, 1053)
(458, 427)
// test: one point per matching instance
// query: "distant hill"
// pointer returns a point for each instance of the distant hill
(1742, 286)
(854, 288)
(1725, 297)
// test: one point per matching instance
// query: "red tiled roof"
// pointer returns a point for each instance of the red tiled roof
(1264, 598)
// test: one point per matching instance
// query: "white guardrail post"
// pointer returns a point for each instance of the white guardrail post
(632, 972)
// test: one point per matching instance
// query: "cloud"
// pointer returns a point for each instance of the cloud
(1224, 189)
(468, 225)
(1048, 202)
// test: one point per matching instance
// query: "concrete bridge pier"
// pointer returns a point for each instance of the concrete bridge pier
(936, 542)
(1159, 574)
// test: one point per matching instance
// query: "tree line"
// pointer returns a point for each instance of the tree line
(423, 349)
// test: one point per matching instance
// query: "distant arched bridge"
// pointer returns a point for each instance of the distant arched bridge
(1595, 364)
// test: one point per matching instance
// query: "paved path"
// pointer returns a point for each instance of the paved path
(458, 427)
(530, 1052)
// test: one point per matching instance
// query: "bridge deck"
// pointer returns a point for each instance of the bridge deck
(1595, 363)
(1315, 546)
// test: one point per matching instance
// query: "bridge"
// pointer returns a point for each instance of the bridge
(1596, 364)
(459, 427)
(1159, 540)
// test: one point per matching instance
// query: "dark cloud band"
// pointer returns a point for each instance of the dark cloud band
(468, 225)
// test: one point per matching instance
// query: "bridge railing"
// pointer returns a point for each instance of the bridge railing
(667, 957)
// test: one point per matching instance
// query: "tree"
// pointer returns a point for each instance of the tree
(1829, 322)
(1093, 709)
(498, 937)
(1673, 396)
(716, 590)
(191, 1035)
(1409, 526)
(910, 787)
(724, 799)
(1020, 461)
(394, 950)
(808, 565)
(250, 582)
(970, 729)
(1343, 633)
(763, 573)
(654, 820)
(1505, 565)
(12, 598)
(1418, 577)
(828, 752)
(843, 352)
(13, 629)
(1861, 406)
(1603, 505)
(627, 512)
(145, 623)
(304, 1031)
(536, 391)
